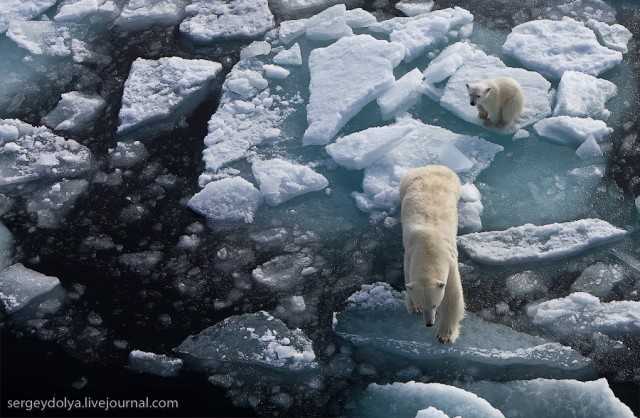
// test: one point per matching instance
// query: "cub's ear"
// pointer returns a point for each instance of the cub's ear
(409, 286)
(488, 90)
(468, 86)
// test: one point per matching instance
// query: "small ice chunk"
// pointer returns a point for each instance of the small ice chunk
(529, 243)
(362, 69)
(291, 29)
(599, 279)
(281, 180)
(431, 412)
(582, 313)
(589, 149)
(52, 203)
(75, 11)
(47, 38)
(410, 398)
(209, 20)
(275, 71)
(444, 66)
(404, 94)
(567, 130)
(521, 134)
(426, 30)
(141, 262)
(329, 24)
(451, 157)
(526, 285)
(359, 18)
(17, 10)
(254, 49)
(583, 95)
(156, 89)
(140, 14)
(414, 7)
(156, 364)
(75, 112)
(228, 200)
(283, 272)
(637, 201)
(612, 36)
(20, 285)
(127, 154)
(291, 56)
(469, 209)
(6, 246)
(552, 47)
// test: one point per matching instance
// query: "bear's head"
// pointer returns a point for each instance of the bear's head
(477, 93)
(427, 296)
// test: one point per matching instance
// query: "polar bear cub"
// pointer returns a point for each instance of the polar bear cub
(500, 101)
(429, 216)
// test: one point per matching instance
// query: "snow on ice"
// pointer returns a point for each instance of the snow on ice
(228, 200)
(583, 95)
(155, 90)
(612, 36)
(541, 45)
(75, 112)
(568, 130)
(156, 364)
(207, 21)
(280, 180)
(138, 14)
(414, 7)
(530, 243)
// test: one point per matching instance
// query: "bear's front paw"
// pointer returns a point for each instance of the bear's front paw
(501, 125)
(449, 336)
(483, 115)
(417, 311)
(487, 123)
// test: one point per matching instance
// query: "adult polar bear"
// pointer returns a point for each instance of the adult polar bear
(429, 217)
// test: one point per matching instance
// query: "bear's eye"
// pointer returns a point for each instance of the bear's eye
(440, 285)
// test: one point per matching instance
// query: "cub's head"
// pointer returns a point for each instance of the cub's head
(427, 298)
(477, 93)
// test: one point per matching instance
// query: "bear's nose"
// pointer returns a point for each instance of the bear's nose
(429, 324)
(472, 104)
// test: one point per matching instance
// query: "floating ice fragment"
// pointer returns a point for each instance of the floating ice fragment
(552, 47)
(529, 243)
(329, 24)
(73, 12)
(283, 272)
(589, 149)
(20, 285)
(414, 7)
(612, 36)
(370, 321)
(599, 279)
(156, 364)
(403, 95)
(141, 262)
(250, 340)
(566, 398)
(208, 20)
(275, 72)
(405, 400)
(6, 246)
(51, 39)
(345, 76)
(141, 14)
(52, 203)
(19, 10)
(567, 130)
(583, 95)
(155, 90)
(228, 200)
(291, 56)
(75, 112)
(254, 49)
(281, 180)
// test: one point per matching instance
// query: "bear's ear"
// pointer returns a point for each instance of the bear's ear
(488, 90)
(467, 86)
(409, 286)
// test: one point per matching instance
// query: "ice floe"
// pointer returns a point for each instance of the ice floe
(599, 279)
(51, 39)
(404, 94)
(405, 400)
(414, 7)
(370, 322)
(541, 45)
(140, 14)
(250, 340)
(280, 180)
(583, 95)
(20, 10)
(155, 90)
(30, 153)
(75, 112)
(612, 36)
(20, 285)
(582, 313)
(228, 200)
(208, 20)
(363, 66)
(284, 272)
(51, 203)
(291, 56)
(530, 243)
(568, 130)
(156, 364)
(566, 398)
(6, 246)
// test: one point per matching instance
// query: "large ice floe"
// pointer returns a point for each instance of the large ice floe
(371, 321)
(20, 285)
(21, 10)
(583, 95)
(207, 20)
(31, 153)
(158, 89)
(530, 243)
(541, 45)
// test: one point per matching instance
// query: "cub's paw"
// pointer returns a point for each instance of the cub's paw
(417, 311)
(501, 125)
(487, 122)
(483, 115)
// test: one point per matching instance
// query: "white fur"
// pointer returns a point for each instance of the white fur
(500, 101)
(429, 226)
